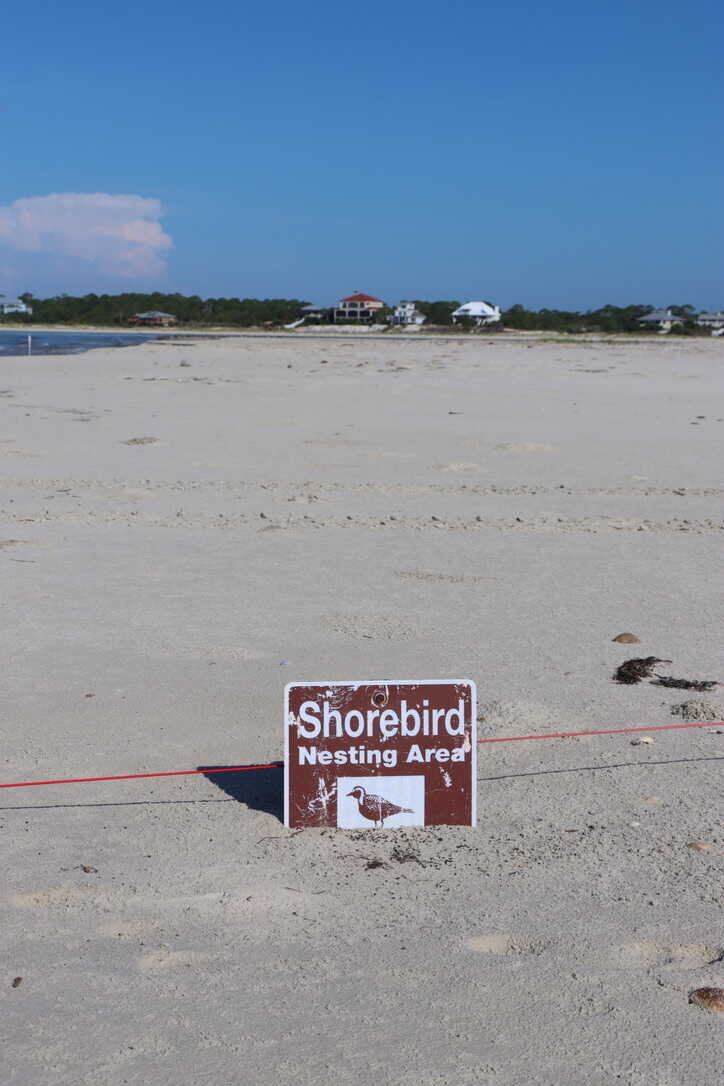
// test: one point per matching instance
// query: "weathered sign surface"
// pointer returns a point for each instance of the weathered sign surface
(380, 754)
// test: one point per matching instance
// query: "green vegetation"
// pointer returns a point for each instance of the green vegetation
(437, 312)
(610, 318)
(116, 309)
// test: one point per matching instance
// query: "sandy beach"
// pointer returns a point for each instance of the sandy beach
(208, 521)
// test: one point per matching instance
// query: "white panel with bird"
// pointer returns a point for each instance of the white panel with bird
(380, 802)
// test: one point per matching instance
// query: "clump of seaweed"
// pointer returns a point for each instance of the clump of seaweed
(633, 671)
(684, 684)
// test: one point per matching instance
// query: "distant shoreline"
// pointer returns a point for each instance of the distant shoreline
(109, 330)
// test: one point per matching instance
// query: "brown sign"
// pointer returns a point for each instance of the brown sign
(379, 754)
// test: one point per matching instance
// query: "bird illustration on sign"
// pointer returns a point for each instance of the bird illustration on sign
(376, 808)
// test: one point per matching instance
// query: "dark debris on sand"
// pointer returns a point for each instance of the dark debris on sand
(633, 671)
(403, 855)
(684, 684)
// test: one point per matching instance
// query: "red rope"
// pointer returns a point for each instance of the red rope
(276, 765)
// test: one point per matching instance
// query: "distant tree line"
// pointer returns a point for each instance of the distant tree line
(117, 309)
(609, 318)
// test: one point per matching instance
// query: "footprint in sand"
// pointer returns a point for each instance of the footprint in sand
(439, 578)
(502, 944)
(374, 627)
(644, 954)
(459, 467)
(334, 443)
(526, 446)
(70, 895)
(161, 961)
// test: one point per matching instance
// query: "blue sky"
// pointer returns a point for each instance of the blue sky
(561, 154)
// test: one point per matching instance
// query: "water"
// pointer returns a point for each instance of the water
(14, 342)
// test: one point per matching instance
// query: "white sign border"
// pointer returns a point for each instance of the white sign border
(391, 682)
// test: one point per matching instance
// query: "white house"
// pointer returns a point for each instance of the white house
(663, 319)
(14, 305)
(480, 313)
(406, 314)
(711, 320)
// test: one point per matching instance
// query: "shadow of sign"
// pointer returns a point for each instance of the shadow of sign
(259, 789)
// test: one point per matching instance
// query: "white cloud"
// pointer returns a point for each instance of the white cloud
(119, 235)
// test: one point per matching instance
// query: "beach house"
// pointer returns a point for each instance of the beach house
(711, 320)
(154, 316)
(14, 305)
(408, 315)
(358, 307)
(309, 313)
(480, 313)
(661, 319)
(314, 312)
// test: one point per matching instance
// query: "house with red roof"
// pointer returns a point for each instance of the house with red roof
(358, 307)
